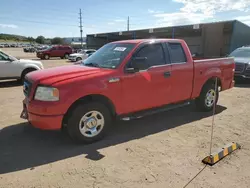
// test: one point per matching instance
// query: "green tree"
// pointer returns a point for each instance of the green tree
(30, 39)
(57, 40)
(40, 39)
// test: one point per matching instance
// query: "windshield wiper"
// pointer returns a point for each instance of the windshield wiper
(92, 64)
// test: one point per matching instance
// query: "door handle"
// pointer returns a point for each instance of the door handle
(167, 74)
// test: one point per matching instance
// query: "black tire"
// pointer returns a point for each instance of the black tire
(74, 120)
(26, 71)
(201, 103)
(62, 57)
(78, 59)
(46, 56)
(66, 56)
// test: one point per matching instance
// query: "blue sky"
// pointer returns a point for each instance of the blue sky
(52, 18)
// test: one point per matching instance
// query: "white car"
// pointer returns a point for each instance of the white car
(13, 68)
(81, 55)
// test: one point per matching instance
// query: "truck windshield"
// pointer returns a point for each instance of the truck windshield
(240, 53)
(109, 56)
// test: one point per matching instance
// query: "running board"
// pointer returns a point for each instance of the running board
(141, 114)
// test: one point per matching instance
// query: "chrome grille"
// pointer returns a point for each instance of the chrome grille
(247, 72)
(239, 67)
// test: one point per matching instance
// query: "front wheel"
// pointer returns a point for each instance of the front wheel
(88, 122)
(78, 59)
(66, 56)
(46, 56)
(208, 98)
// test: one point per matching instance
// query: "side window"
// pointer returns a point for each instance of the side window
(153, 53)
(177, 53)
(3, 57)
(88, 52)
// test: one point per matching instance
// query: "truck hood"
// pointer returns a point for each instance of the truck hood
(241, 60)
(57, 74)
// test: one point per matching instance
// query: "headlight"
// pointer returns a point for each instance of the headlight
(44, 93)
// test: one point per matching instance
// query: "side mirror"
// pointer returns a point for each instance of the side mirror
(137, 63)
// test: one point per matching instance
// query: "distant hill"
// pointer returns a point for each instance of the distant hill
(17, 38)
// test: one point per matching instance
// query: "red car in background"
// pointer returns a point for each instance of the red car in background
(55, 51)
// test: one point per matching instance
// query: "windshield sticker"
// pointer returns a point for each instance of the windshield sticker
(121, 49)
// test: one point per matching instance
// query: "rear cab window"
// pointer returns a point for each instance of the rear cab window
(177, 54)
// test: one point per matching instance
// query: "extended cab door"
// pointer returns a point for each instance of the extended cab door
(150, 87)
(181, 73)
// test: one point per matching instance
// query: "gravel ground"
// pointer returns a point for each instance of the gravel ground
(164, 150)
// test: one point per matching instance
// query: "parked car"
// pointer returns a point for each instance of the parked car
(242, 62)
(1, 45)
(29, 49)
(55, 51)
(13, 68)
(13, 45)
(81, 55)
(123, 79)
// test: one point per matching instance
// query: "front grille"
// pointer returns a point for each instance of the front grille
(247, 72)
(239, 67)
(27, 85)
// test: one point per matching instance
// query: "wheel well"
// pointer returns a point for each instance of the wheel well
(91, 98)
(213, 81)
(28, 70)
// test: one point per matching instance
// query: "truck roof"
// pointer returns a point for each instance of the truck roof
(137, 41)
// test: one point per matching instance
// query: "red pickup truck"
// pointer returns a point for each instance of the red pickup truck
(125, 79)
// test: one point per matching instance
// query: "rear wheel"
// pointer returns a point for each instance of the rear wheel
(88, 122)
(46, 56)
(208, 97)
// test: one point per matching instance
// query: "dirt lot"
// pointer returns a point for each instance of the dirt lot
(164, 150)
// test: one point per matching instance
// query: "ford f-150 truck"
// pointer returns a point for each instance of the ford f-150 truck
(125, 79)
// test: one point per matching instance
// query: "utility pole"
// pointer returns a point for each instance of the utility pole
(81, 25)
(128, 24)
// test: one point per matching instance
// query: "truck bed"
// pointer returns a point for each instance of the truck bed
(203, 69)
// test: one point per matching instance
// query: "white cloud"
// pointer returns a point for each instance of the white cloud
(180, 18)
(244, 19)
(119, 20)
(150, 11)
(111, 23)
(213, 6)
(8, 26)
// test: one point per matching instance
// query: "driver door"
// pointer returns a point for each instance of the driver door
(5, 66)
(150, 86)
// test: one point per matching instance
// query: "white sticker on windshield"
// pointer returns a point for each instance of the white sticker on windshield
(121, 49)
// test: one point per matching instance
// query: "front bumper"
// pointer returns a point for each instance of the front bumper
(72, 58)
(45, 122)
